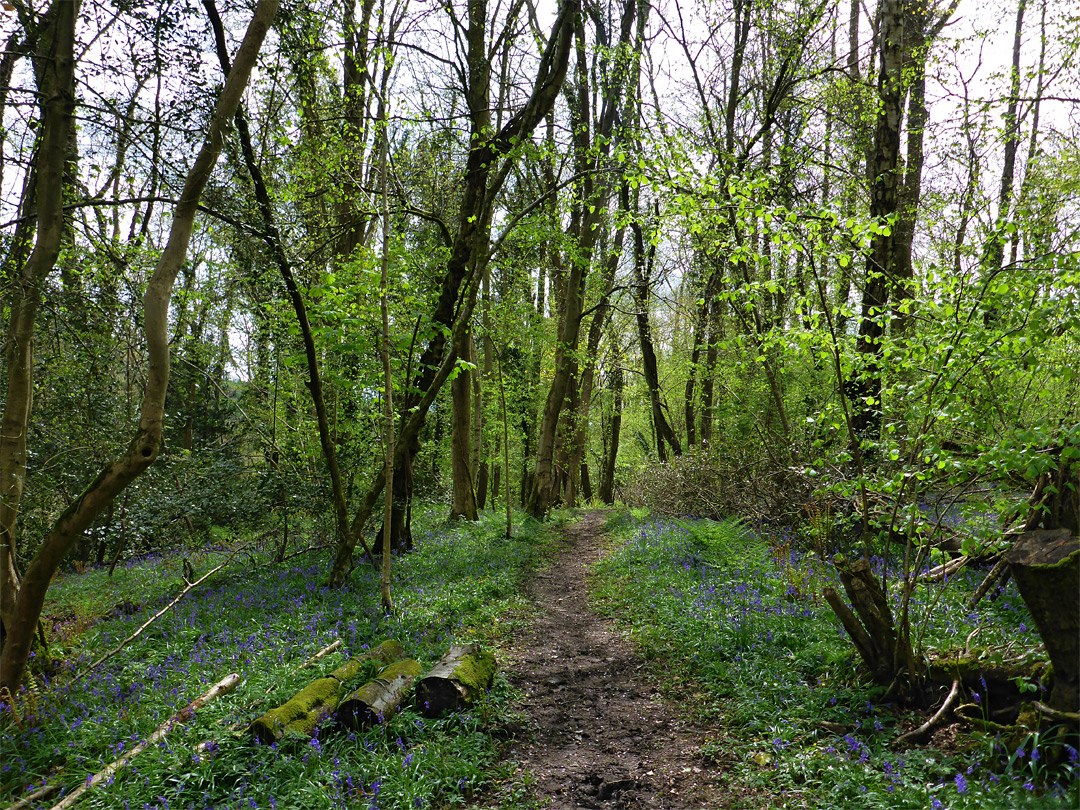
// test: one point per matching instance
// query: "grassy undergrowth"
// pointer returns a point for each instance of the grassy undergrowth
(262, 620)
(740, 613)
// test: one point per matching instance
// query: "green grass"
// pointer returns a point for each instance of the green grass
(261, 620)
(774, 665)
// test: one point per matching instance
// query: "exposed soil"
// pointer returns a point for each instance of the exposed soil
(598, 734)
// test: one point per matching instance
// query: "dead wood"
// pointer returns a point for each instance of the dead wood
(378, 700)
(460, 677)
(1046, 567)
(222, 687)
(155, 617)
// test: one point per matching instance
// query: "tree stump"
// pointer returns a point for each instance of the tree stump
(462, 675)
(1046, 567)
(869, 621)
(378, 700)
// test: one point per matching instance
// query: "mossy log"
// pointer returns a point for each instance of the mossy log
(462, 675)
(302, 713)
(1046, 567)
(379, 699)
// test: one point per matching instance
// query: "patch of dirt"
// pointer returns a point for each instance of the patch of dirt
(598, 734)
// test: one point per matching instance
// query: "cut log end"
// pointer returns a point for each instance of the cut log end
(460, 677)
(379, 700)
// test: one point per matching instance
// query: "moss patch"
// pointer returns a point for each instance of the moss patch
(301, 714)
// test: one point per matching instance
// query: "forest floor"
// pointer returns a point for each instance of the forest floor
(598, 733)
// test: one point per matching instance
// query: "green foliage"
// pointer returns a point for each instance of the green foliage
(261, 620)
(776, 666)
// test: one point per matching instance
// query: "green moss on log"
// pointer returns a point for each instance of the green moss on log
(384, 654)
(462, 675)
(301, 714)
(476, 671)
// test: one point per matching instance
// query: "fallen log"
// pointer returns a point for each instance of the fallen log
(302, 713)
(222, 687)
(378, 700)
(460, 677)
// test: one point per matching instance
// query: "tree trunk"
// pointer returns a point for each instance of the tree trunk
(485, 173)
(57, 86)
(146, 444)
(864, 389)
(642, 277)
(464, 496)
(592, 143)
(1046, 567)
(607, 478)
(886, 654)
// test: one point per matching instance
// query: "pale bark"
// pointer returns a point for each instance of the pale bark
(146, 443)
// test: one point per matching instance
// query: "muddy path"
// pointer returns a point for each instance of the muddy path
(597, 734)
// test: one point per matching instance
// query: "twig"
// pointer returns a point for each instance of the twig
(1056, 714)
(38, 794)
(154, 618)
(911, 736)
(305, 551)
(325, 651)
(224, 686)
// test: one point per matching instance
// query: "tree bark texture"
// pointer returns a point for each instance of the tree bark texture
(870, 625)
(378, 700)
(460, 677)
(1046, 567)
(146, 444)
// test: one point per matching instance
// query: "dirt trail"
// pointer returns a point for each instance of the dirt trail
(598, 735)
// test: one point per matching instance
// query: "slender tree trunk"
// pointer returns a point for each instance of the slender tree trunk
(146, 444)
(864, 389)
(57, 87)
(994, 251)
(464, 495)
(385, 596)
(643, 260)
(607, 478)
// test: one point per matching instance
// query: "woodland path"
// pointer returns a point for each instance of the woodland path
(597, 733)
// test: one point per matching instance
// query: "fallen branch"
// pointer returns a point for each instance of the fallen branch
(325, 651)
(946, 569)
(914, 735)
(154, 618)
(222, 687)
(36, 796)
(305, 551)
(1057, 715)
(988, 582)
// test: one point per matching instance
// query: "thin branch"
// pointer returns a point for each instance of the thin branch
(156, 616)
